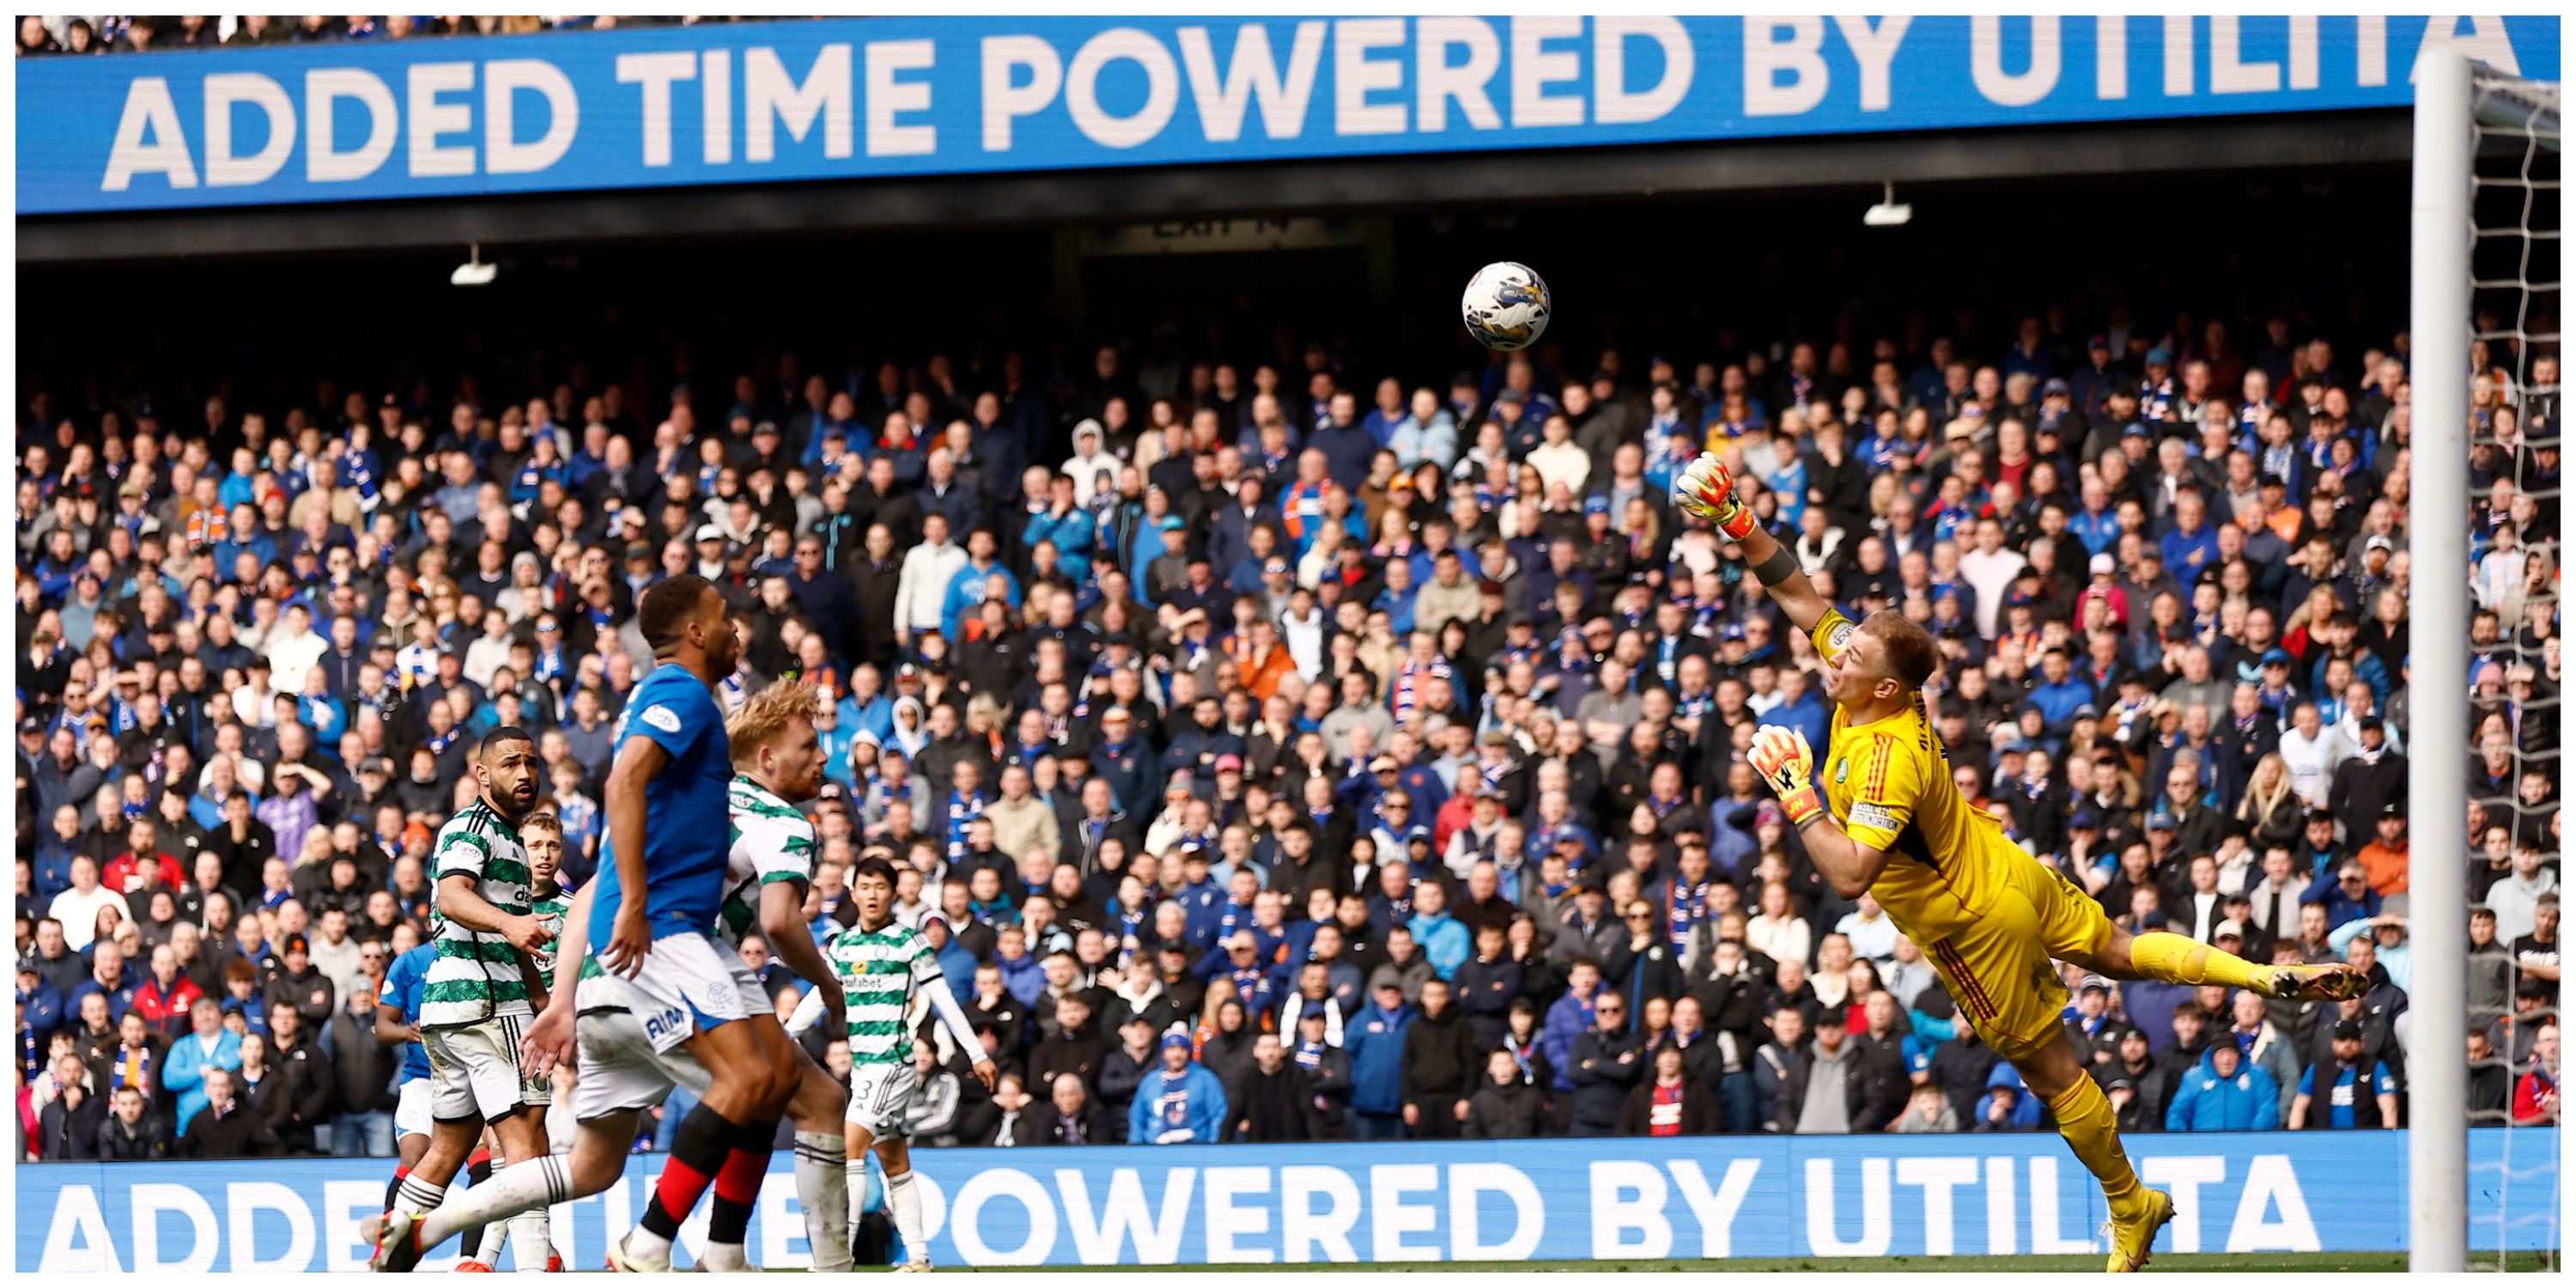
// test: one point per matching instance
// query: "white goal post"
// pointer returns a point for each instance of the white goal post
(2437, 874)
(2483, 143)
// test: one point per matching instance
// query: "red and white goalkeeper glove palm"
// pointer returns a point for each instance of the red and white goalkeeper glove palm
(1707, 489)
(1788, 766)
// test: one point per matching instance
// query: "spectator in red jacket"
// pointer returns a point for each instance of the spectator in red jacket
(144, 866)
(163, 1000)
(2535, 1096)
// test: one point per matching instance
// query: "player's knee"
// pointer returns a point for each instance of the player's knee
(819, 1103)
(777, 1089)
(593, 1171)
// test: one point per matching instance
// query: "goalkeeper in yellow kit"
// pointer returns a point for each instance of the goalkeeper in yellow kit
(1988, 916)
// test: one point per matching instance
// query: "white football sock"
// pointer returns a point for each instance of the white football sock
(822, 1190)
(905, 1203)
(854, 1174)
(537, 1183)
(412, 1194)
(494, 1235)
(535, 1231)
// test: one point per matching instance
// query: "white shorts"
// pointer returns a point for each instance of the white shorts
(881, 1097)
(411, 1109)
(474, 1070)
(691, 982)
(625, 1067)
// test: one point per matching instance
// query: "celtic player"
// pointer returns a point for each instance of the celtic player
(883, 966)
(541, 835)
(475, 999)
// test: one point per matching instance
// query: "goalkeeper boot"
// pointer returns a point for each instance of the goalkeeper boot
(2332, 982)
(397, 1243)
(918, 1266)
(2133, 1237)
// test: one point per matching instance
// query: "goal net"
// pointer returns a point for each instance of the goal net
(2486, 548)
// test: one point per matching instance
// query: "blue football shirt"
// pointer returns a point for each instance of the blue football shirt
(687, 829)
(403, 982)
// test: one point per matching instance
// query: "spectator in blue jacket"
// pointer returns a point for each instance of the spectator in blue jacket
(1022, 973)
(1066, 524)
(40, 1012)
(108, 977)
(1802, 707)
(1444, 938)
(2345, 892)
(1184, 1104)
(2061, 692)
(1568, 1018)
(209, 1045)
(2223, 1093)
(973, 583)
(2191, 545)
(1376, 1044)
(2007, 1104)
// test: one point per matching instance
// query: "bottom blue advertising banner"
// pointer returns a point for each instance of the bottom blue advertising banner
(1607, 1199)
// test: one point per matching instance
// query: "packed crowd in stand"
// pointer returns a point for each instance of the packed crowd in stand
(1371, 744)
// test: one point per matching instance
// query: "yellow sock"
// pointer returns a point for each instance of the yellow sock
(2181, 959)
(2092, 1130)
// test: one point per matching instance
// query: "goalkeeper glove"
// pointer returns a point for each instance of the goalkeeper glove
(1707, 489)
(1788, 765)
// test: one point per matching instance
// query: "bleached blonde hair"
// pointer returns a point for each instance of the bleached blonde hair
(766, 714)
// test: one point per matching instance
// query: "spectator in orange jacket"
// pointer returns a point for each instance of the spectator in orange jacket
(2384, 859)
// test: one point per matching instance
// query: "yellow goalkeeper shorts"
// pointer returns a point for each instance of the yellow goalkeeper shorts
(2000, 969)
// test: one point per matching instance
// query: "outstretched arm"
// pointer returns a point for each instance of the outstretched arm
(959, 1027)
(1707, 489)
(1850, 866)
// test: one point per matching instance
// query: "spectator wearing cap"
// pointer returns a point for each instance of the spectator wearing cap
(2103, 584)
(300, 984)
(2349, 1090)
(1375, 1041)
(2383, 860)
(1178, 1103)
(2225, 1093)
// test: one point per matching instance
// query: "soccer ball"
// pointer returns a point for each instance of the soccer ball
(1506, 306)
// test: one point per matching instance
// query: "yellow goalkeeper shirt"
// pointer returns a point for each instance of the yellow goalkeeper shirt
(1888, 783)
